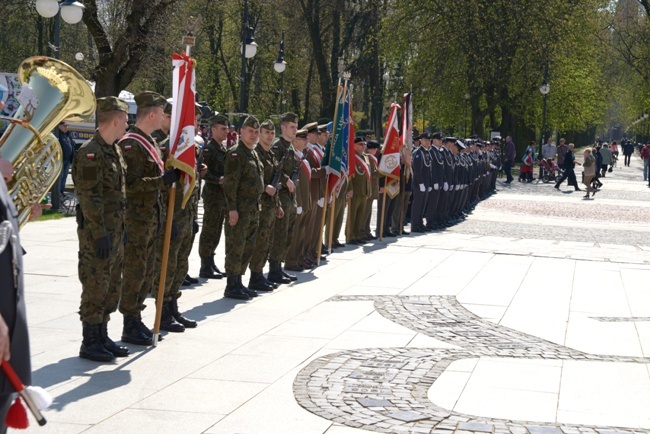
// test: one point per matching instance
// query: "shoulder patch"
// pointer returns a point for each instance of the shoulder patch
(90, 156)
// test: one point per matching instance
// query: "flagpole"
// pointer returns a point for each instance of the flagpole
(188, 40)
(325, 198)
(383, 211)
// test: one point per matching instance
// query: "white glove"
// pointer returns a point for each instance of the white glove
(445, 186)
(457, 187)
(299, 210)
(422, 187)
(429, 189)
(436, 186)
(321, 202)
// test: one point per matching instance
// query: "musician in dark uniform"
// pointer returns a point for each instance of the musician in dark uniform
(422, 185)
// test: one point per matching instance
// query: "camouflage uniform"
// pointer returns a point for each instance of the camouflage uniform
(214, 205)
(98, 173)
(267, 215)
(283, 229)
(144, 181)
(294, 256)
(243, 184)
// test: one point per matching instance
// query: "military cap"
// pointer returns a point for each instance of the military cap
(311, 127)
(436, 136)
(168, 109)
(426, 136)
(449, 140)
(150, 99)
(322, 128)
(251, 121)
(301, 134)
(268, 125)
(218, 119)
(111, 103)
(289, 117)
(460, 144)
(359, 139)
(372, 144)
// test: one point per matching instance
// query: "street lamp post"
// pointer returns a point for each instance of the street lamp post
(280, 65)
(248, 51)
(71, 11)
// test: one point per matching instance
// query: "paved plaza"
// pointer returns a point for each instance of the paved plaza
(532, 316)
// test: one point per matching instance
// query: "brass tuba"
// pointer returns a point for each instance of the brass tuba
(58, 93)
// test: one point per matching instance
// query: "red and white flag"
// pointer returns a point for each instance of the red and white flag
(182, 154)
(390, 155)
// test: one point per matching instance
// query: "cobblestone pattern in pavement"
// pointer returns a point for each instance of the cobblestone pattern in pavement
(385, 389)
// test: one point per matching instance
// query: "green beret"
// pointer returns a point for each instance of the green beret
(268, 125)
(251, 121)
(168, 109)
(301, 134)
(219, 119)
(311, 127)
(111, 103)
(150, 99)
(289, 117)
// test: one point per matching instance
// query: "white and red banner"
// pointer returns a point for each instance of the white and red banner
(407, 134)
(182, 154)
(390, 155)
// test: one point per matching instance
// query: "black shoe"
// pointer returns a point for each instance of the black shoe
(192, 280)
(250, 292)
(257, 282)
(233, 290)
(324, 250)
(91, 346)
(112, 347)
(557, 187)
(132, 333)
(207, 269)
(268, 282)
(417, 229)
(390, 234)
(275, 273)
(291, 277)
(188, 323)
(405, 232)
(186, 282)
(168, 322)
(336, 244)
(296, 267)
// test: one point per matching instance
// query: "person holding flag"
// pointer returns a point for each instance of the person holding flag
(145, 177)
(389, 169)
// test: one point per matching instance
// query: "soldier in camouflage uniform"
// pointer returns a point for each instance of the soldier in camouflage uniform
(214, 200)
(283, 229)
(145, 177)
(98, 172)
(171, 319)
(271, 209)
(243, 184)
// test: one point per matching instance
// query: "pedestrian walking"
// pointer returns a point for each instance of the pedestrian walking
(509, 159)
(569, 167)
(589, 165)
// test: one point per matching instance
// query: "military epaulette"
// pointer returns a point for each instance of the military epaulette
(90, 156)
(127, 147)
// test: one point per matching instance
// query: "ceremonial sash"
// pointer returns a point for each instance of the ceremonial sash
(373, 158)
(366, 169)
(306, 168)
(148, 146)
(318, 155)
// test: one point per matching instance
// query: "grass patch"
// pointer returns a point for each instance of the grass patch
(48, 214)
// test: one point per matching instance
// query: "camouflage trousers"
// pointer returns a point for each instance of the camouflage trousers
(176, 266)
(240, 239)
(101, 279)
(139, 260)
(283, 230)
(263, 238)
(214, 213)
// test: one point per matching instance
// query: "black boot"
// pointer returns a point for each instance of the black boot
(168, 322)
(215, 268)
(275, 273)
(188, 323)
(233, 290)
(258, 282)
(116, 350)
(91, 346)
(272, 284)
(207, 270)
(291, 277)
(250, 292)
(192, 280)
(133, 333)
